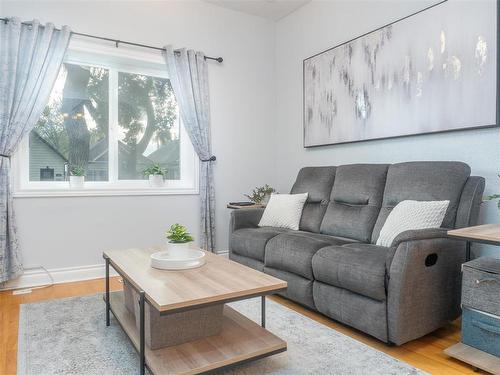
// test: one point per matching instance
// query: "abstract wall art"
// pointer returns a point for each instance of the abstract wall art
(433, 71)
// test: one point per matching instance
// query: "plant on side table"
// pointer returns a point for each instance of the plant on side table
(494, 197)
(156, 175)
(261, 195)
(77, 177)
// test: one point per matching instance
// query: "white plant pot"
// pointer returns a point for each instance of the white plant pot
(156, 180)
(76, 182)
(177, 249)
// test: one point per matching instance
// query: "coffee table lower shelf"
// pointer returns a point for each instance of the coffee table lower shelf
(240, 341)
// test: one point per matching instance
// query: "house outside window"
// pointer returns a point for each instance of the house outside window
(114, 115)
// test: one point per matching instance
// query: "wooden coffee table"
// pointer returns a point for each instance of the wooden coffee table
(219, 281)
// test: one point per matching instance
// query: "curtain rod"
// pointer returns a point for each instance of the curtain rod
(117, 41)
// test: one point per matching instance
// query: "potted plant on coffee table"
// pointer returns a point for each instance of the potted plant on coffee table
(156, 175)
(77, 177)
(178, 238)
(179, 255)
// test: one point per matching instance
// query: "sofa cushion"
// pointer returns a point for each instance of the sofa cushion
(355, 201)
(410, 216)
(423, 181)
(246, 261)
(317, 182)
(251, 242)
(359, 267)
(360, 312)
(299, 288)
(283, 211)
(293, 252)
(312, 215)
(332, 240)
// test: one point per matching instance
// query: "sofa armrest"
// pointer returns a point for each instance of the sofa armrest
(419, 234)
(245, 218)
(424, 284)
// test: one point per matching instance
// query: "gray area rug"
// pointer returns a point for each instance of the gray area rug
(69, 336)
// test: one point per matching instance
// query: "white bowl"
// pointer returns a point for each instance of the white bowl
(178, 260)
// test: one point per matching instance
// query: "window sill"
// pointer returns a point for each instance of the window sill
(93, 192)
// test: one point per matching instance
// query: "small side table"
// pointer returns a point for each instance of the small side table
(238, 207)
(487, 234)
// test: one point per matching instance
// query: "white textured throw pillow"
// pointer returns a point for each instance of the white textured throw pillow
(283, 211)
(412, 215)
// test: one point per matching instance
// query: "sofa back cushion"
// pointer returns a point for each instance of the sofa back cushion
(423, 181)
(317, 182)
(355, 201)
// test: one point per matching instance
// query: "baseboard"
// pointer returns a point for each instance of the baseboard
(38, 276)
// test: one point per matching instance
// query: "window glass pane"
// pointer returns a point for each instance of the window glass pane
(148, 131)
(73, 129)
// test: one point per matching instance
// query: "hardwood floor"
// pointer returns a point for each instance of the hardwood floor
(425, 353)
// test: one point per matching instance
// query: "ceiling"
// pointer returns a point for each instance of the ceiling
(271, 9)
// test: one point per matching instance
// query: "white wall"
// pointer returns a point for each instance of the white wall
(256, 115)
(323, 24)
(67, 232)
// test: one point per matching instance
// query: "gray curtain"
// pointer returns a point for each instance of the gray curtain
(188, 75)
(30, 59)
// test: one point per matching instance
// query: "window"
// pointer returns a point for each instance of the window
(148, 126)
(114, 117)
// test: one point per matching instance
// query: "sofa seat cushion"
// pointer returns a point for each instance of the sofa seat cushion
(293, 251)
(251, 242)
(332, 240)
(359, 267)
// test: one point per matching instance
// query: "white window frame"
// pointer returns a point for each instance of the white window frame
(128, 61)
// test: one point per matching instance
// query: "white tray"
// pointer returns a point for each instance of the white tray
(177, 260)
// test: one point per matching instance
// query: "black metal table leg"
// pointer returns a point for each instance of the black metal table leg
(263, 312)
(467, 251)
(142, 333)
(107, 290)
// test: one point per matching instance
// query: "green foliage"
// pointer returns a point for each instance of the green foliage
(155, 169)
(259, 193)
(147, 112)
(179, 234)
(147, 97)
(50, 127)
(78, 171)
(494, 197)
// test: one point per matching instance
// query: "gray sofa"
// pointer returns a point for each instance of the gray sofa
(332, 264)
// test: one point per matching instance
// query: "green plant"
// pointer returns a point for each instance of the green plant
(155, 169)
(493, 197)
(179, 234)
(259, 193)
(77, 171)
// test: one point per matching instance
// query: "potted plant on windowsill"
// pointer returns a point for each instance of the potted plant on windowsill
(77, 177)
(179, 238)
(156, 175)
